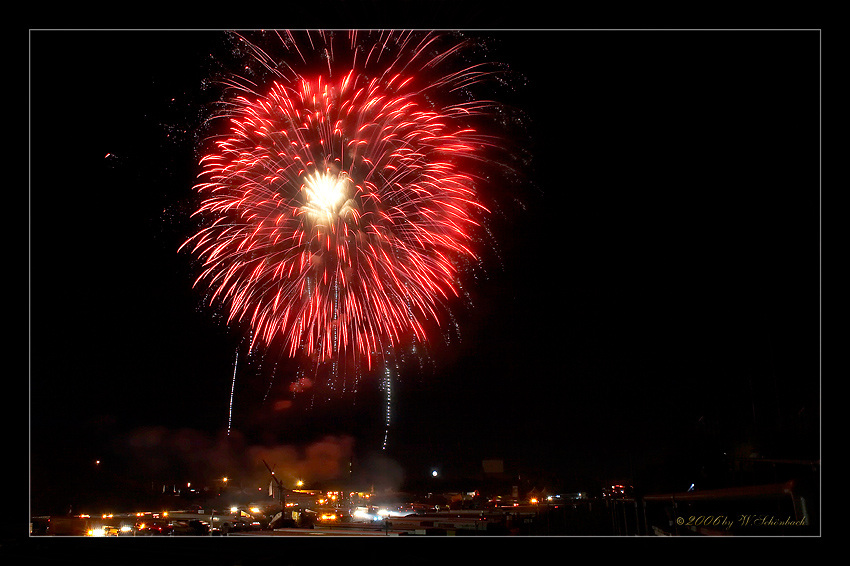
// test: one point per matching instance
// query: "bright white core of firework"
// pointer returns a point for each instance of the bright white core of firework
(328, 196)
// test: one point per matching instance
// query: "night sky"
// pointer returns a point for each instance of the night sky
(655, 301)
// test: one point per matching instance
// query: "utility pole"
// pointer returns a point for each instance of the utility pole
(279, 485)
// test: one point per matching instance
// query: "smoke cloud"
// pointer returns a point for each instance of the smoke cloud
(186, 455)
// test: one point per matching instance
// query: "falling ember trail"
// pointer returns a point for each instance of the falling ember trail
(388, 387)
(232, 387)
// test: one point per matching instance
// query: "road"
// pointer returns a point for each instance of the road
(320, 531)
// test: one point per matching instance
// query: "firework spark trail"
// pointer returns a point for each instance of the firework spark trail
(339, 202)
(387, 384)
(232, 388)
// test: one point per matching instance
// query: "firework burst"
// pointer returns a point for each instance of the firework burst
(341, 198)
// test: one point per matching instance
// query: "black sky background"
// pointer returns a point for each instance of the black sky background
(659, 301)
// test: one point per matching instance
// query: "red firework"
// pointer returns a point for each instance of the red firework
(338, 203)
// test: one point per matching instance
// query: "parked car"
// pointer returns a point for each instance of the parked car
(189, 528)
(110, 531)
(155, 528)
